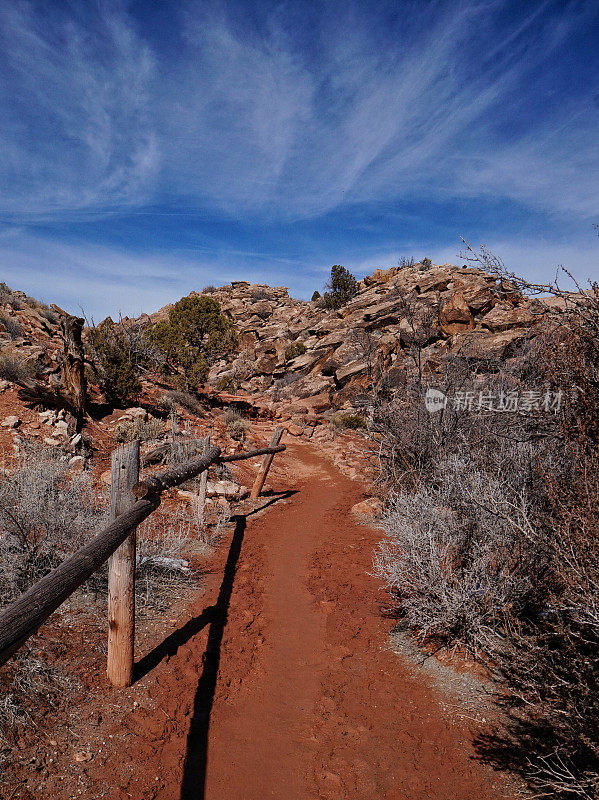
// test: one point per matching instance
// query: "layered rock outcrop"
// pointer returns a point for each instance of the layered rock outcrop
(308, 359)
(314, 358)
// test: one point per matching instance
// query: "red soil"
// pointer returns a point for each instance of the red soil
(281, 683)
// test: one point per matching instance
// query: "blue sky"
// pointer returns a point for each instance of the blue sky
(151, 148)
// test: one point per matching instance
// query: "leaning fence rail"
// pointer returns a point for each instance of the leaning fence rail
(131, 502)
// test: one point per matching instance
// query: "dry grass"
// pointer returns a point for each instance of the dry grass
(165, 544)
(13, 368)
(145, 430)
(34, 686)
(13, 326)
(492, 539)
(186, 400)
(461, 557)
(237, 426)
(46, 513)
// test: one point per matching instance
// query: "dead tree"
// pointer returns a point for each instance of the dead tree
(72, 364)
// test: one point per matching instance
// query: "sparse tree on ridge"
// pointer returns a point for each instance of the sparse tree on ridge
(341, 286)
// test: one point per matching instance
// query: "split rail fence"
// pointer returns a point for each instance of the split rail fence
(131, 502)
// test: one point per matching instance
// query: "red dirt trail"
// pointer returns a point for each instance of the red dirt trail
(282, 684)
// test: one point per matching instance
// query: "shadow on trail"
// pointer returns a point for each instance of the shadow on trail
(175, 640)
(172, 643)
(194, 773)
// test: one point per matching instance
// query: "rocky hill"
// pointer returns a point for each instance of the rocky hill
(301, 358)
(310, 359)
(296, 361)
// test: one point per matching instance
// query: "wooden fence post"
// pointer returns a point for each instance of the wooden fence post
(121, 570)
(265, 466)
(203, 486)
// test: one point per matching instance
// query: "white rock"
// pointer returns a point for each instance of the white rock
(11, 422)
(227, 489)
(51, 442)
(136, 413)
(164, 562)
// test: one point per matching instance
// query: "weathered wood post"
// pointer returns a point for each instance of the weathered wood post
(72, 364)
(265, 466)
(203, 486)
(121, 570)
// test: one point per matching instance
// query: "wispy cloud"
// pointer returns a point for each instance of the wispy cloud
(105, 280)
(301, 134)
(283, 131)
(285, 119)
(76, 129)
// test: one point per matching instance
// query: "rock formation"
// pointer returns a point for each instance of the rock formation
(444, 311)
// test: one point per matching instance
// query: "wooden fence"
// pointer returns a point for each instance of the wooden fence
(131, 502)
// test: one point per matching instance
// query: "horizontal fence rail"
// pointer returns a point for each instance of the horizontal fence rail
(22, 618)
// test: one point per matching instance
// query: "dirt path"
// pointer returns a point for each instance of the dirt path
(282, 684)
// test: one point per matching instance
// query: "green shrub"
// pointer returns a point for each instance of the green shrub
(316, 296)
(194, 336)
(225, 384)
(113, 362)
(426, 264)
(342, 286)
(294, 350)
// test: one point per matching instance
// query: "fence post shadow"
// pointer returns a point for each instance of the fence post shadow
(25, 615)
(194, 770)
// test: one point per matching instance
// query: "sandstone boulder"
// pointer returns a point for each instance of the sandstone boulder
(371, 508)
(502, 317)
(479, 297)
(262, 309)
(351, 370)
(389, 312)
(455, 316)
(311, 385)
(308, 360)
(485, 345)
